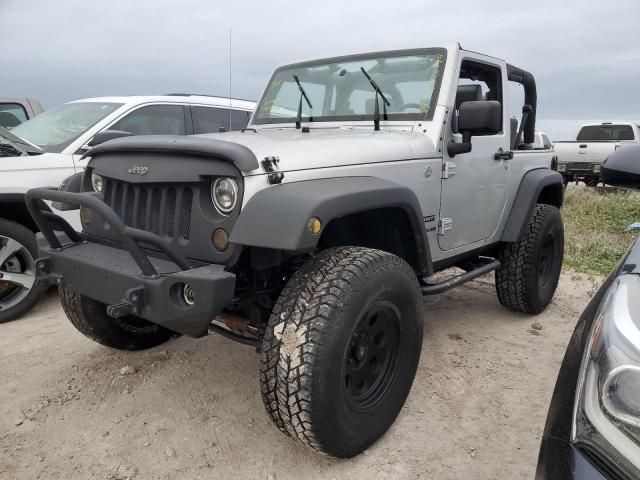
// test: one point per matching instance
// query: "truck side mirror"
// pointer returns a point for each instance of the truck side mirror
(107, 135)
(622, 167)
(481, 117)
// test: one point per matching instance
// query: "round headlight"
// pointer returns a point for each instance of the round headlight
(96, 182)
(224, 192)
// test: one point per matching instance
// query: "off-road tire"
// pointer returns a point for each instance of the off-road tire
(25, 237)
(307, 350)
(524, 282)
(127, 333)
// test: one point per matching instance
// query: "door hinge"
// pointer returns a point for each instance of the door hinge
(444, 225)
(448, 169)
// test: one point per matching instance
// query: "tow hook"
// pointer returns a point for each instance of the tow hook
(132, 305)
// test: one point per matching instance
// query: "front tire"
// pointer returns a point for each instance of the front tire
(127, 333)
(341, 349)
(19, 290)
(528, 276)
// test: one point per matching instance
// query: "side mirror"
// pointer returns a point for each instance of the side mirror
(107, 135)
(481, 117)
(622, 167)
(69, 184)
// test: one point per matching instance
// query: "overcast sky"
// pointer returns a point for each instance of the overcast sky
(585, 57)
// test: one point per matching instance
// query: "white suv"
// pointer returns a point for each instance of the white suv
(63, 135)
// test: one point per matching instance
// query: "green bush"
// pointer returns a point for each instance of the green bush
(595, 221)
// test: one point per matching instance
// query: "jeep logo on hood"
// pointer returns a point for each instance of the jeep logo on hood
(138, 170)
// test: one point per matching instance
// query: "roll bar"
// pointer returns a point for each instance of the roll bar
(524, 78)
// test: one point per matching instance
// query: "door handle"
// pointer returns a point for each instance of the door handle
(502, 155)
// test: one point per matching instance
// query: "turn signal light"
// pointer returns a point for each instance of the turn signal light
(314, 225)
(220, 239)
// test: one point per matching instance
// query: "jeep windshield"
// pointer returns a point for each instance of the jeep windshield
(339, 91)
(56, 129)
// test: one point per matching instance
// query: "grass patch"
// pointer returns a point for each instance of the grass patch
(595, 221)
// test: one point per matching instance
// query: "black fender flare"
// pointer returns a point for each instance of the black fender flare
(277, 217)
(537, 186)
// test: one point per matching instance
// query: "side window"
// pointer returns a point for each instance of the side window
(153, 120)
(210, 119)
(12, 115)
(478, 81)
(239, 119)
(546, 142)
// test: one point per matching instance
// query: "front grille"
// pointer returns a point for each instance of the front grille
(160, 209)
(582, 166)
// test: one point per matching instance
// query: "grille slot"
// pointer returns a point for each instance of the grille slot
(163, 210)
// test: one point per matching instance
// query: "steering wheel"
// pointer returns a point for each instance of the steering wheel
(404, 106)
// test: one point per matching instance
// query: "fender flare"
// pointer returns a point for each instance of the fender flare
(533, 183)
(277, 217)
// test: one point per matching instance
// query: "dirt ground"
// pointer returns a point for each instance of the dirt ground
(192, 409)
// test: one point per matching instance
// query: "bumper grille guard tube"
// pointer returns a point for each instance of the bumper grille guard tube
(124, 278)
(93, 201)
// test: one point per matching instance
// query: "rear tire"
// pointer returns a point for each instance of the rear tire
(592, 181)
(18, 251)
(341, 349)
(528, 276)
(127, 333)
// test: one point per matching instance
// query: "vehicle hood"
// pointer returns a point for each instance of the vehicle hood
(329, 147)
(28, 163)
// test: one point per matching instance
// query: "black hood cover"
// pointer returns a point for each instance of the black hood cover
(242, 157)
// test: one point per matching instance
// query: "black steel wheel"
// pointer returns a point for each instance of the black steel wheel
(372, 355)
(341, 349)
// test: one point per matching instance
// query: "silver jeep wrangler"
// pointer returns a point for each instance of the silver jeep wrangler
(312, 234)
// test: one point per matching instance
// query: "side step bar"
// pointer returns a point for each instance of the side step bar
(435, 288)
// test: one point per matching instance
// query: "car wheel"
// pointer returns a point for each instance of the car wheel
(530, 268)
(341, 349)
(19, 291)
(127, 333)
(592, 181)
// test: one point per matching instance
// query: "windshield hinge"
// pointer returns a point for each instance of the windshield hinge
(448, 170)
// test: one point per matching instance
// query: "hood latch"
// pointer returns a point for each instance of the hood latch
(270, 166)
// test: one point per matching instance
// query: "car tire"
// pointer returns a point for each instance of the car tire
(18, 251)
(341, 349)
(127, 333)
(530, 268)
(592, 181)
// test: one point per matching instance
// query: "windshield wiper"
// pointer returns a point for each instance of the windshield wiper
(302, 94)
(385, 102)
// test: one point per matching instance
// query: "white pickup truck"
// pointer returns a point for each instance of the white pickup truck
(581, 159)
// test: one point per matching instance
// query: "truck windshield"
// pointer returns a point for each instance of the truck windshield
(339, 91)
(605, 133)
(55, 129)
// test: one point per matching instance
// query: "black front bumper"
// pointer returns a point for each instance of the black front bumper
(128, 281)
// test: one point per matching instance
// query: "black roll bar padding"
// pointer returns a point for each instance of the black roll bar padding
(526, 79)
(129, 236)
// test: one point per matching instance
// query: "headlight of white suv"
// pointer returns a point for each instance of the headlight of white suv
(607, 410)
(224, 192)
(562, 167)
(96, 182)
(596, 168)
